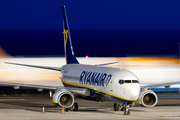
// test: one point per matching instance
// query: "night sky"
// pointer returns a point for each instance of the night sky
(114, 28)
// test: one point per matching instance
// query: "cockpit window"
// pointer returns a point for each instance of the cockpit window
(127, 81)
(121, 81)
(134, 81)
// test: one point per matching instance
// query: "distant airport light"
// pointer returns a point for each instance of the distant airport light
(87, 56)
(39, 89)
(50, 93)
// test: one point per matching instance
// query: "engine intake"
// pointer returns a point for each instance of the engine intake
(63, 99)
(66, 100)
(147, 98)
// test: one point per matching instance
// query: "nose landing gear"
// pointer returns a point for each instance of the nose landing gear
(126, 111)
(123, 107)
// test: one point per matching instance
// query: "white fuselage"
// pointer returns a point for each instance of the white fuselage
(104, 80)
(148, 70)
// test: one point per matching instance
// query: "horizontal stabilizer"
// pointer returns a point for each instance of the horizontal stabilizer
(106, 63)
(42, 67)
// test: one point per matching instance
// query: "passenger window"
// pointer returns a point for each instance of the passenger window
(121, 81)
(127, 81)
(134, 81)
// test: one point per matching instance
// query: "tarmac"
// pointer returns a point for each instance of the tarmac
(30, 108)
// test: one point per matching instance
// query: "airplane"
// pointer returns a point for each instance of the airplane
(95, 82)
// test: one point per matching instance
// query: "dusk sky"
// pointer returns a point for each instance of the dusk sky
(91, 14)
(102, 28)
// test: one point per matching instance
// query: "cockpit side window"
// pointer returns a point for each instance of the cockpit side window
(121, 81)
(134, 81)
(127, 81)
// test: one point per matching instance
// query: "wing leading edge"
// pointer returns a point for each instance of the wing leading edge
(75, 91)
(157, 85)
(35, 66)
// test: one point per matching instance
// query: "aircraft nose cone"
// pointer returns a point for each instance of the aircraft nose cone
(134, 92)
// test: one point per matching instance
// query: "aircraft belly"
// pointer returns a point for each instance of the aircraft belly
(96, 95)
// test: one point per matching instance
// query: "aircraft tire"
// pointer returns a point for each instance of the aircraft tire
(67, 109)
(116, 106)
(75, 107)
(126, 111)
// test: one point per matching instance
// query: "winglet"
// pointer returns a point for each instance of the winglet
(69, 54)
(3, 53)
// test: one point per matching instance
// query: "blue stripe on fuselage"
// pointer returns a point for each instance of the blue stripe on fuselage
(98, 95)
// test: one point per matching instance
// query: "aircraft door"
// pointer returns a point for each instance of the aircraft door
(121, 82)
(111, 84)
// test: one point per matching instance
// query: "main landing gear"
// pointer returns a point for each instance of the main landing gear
(124, 107)
(74, 107)
(117, 107)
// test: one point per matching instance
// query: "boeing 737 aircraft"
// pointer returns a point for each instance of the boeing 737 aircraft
(95, 82)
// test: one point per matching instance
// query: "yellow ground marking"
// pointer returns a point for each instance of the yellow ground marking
(11, 99)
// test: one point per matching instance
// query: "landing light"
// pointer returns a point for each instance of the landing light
(86, 56)
(50, 93)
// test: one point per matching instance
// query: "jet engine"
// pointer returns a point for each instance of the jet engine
(147, 98)
(63, 98)
(167, 86)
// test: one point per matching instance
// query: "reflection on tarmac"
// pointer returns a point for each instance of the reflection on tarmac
(31, 108)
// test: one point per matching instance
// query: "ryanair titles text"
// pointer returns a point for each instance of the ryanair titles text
(94, 78)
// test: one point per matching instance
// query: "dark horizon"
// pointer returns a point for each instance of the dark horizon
(92, 42)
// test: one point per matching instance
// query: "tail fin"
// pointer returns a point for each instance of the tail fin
(69, 54)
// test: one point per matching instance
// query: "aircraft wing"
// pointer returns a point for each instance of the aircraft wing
(158, 85)
(35, 66)
(28, 85)
(75, 91)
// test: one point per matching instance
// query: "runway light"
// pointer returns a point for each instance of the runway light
(86, 56)
(50, 93)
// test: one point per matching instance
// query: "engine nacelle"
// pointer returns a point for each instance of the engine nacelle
(167, 86)
(63, 98)
(147, 98)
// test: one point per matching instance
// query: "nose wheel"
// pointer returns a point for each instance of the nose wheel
(126, 111)
(123, 107)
